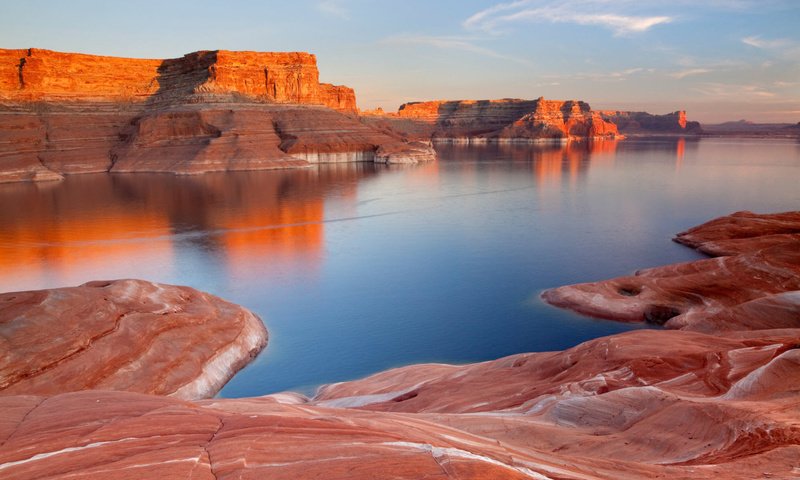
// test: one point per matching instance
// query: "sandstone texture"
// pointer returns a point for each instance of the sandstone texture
(123, 335)
(65, 113)
(496, 120)
(645, 404)
(753, 283)
(643, 123)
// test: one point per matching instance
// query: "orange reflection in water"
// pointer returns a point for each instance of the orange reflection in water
(50, 243)
(680, 151)
(104, 226)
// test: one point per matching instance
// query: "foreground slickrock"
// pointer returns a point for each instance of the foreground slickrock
(123, 335)
(667, 404)
(754, 283)
(67, 113)
(638, 405)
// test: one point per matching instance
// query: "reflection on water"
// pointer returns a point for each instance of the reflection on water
(356, 267)
(62, 230)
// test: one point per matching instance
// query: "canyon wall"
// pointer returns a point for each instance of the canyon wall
(68, 113)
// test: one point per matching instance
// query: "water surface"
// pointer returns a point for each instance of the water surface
(356, 268)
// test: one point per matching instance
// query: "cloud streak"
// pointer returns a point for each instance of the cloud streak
(581, 12)
(689, 72)
(758, 42)
(464, 44)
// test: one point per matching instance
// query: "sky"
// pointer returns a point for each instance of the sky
(718, 59)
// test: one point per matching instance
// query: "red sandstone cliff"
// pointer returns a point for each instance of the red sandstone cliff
(67, 113)
(283, 77)
(504, 119)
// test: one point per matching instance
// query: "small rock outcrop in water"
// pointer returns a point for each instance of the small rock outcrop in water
(66, 113)
(643, 404)
(123, 335)
(754, 282)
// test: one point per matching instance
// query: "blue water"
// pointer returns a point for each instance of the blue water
(356, 268)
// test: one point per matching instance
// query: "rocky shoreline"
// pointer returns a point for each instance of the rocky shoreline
(716, 395)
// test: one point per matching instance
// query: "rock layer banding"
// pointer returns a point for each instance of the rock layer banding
(65, 113)
(124, 335)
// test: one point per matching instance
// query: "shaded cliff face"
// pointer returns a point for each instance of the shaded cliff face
(646, 123)
(66, 113)
(511, 119)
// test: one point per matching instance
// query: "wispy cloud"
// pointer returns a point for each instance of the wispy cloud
(333, 8)
(581, 12)
(690, 72)
(783, 48)
(465, 44)
(613, 76)
(735, 91)
(758, 42)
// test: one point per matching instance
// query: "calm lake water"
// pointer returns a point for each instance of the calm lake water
(356, 268)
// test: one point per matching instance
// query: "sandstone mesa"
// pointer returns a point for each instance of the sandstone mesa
(66, 113)
(723, 402)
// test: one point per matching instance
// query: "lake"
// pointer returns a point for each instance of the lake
(356, 268)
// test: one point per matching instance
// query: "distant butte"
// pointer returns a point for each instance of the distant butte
(68, 113)
(517, 120)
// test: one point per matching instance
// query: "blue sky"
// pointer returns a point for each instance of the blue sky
(719, 60)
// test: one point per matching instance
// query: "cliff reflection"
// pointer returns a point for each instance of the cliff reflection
(549, 162)
(103, 223)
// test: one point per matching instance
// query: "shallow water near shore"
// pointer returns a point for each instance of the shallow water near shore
(356, 268)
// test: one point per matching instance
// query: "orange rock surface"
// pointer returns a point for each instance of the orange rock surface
(505, 119)
(65, 113)
(286, 77)
(754, 283)
(123, 335)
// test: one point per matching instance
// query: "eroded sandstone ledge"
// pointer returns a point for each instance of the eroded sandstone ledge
(65, 113)
(124, 335)
(753, 283)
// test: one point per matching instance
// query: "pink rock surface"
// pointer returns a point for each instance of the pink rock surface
(753, 284)
(123, 335)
